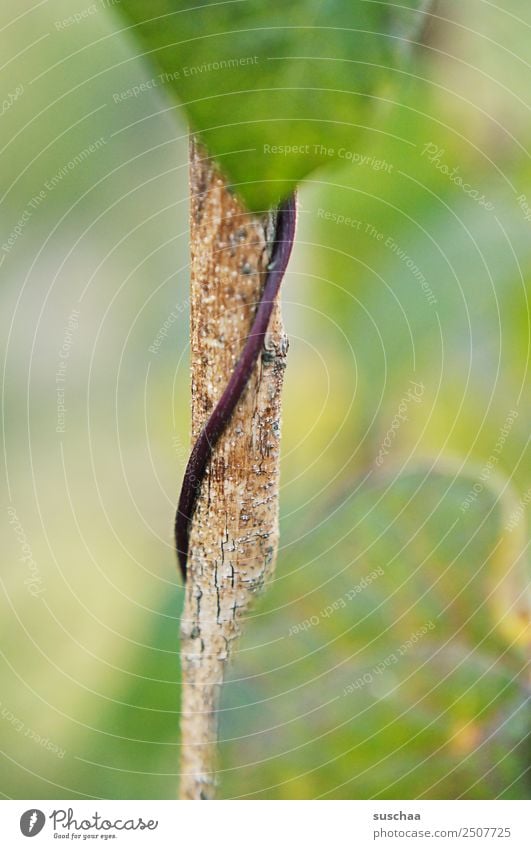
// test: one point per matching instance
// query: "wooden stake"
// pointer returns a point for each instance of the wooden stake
(234, 535)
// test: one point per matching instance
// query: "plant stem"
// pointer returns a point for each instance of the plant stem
(234, 533)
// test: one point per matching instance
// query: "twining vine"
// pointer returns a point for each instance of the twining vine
(222, 412)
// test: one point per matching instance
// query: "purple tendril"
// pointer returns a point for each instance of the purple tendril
(222, 412)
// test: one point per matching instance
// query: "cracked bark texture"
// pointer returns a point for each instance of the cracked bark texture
(234, 534)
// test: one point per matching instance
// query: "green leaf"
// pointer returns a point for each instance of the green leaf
(275, 89)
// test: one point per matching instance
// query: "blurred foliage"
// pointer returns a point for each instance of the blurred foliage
(401, 279)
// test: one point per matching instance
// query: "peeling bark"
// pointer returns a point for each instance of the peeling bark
(234, 534)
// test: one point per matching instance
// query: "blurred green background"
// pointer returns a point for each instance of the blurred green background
(388, 659)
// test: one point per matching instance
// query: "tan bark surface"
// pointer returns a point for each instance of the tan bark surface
(234, 536)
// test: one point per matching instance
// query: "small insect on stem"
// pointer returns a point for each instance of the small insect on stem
(221, 415)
